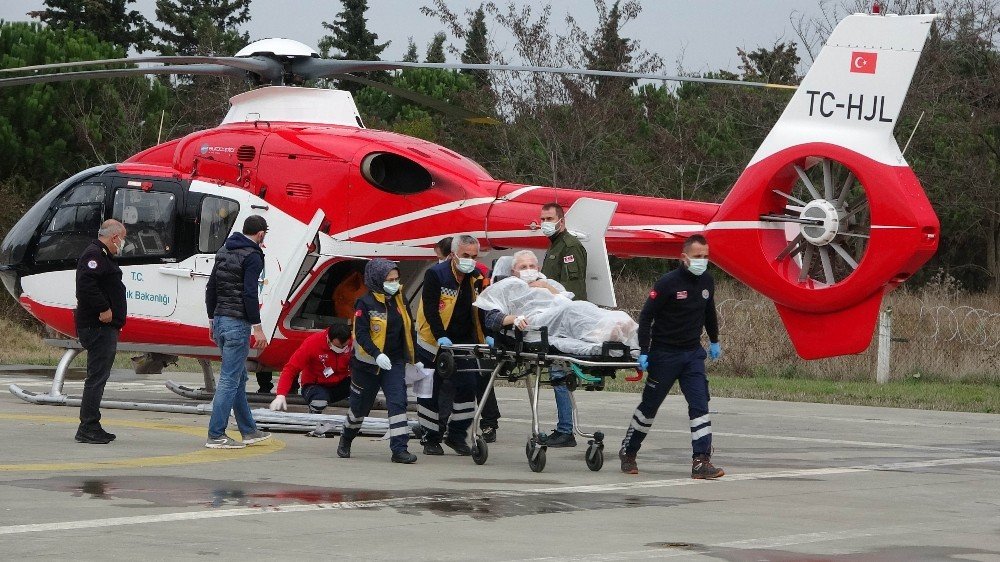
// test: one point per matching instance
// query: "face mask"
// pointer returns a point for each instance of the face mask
(528, 275)
(549, 228)
(466, 265)
(698, 265)
(336, 349)
(390, 287)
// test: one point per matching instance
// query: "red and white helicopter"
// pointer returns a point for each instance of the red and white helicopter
(825, 219)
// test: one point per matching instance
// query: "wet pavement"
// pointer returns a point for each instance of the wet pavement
(804, 482)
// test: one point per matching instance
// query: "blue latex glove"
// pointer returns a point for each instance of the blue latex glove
(715, 350)
(490, 341)
(444, 341)
(644, 363)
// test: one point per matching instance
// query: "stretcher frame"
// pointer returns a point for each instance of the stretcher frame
(525, 360)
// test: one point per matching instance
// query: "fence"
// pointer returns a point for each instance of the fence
(923, 335)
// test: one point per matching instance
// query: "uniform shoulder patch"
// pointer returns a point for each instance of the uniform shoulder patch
(92, 264)
(569, 259)
(704, 294)
(652, 294)
(357, 313)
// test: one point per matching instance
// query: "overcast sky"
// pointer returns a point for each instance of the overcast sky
(702, 35)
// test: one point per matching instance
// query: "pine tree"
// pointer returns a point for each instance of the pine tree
(610, 51)
(110, 20)
(477, 48)
(435, 50)
(201, 27)
(411, 52)
(351, 40)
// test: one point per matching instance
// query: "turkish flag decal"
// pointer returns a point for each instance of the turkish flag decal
(863, 62)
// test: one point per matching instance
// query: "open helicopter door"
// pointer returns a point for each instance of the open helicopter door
(278, 294)
(589, 219)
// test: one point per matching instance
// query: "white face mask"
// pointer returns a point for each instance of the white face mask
(390, 287)
(528, 275)
(697, 266)
(466, 265)
(336, 349)
(549, 228)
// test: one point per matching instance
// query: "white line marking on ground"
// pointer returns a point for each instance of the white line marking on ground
(477, 494)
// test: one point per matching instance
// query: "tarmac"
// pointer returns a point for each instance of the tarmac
(803, 481)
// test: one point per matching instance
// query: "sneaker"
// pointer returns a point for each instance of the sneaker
(459, 447)
(701, 467)
(344, 448)
(93, 438)
(434, 449)
(109, 436)
(490, 434)
(560, 439)
(224, 442)
(629, 465)
(404, 457)
(256, 437)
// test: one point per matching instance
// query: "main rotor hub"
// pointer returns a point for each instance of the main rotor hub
(824, 222)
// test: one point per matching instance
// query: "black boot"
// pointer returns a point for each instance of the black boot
(404, 457)
(344, 448)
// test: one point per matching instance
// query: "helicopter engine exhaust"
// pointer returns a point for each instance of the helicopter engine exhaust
(395, 173)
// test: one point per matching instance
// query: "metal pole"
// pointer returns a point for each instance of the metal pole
(884, 346)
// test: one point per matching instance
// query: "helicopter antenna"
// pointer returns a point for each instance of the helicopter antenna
(913, 132)
(159, 133)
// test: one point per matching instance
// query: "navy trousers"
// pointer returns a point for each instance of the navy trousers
(665, 367)
(366, 380)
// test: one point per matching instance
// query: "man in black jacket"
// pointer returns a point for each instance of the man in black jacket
(680, 306)
(100, 315)
(233, 311)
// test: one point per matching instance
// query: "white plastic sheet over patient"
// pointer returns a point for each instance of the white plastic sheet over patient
(577, 327)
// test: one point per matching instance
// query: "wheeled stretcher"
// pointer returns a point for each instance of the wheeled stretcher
(513, 358)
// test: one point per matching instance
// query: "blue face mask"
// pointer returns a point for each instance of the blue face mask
(466, 265)
(697, 266)
(390, 287)
(548, 228)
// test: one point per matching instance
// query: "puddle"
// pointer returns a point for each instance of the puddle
(193, 492)
(502, 481)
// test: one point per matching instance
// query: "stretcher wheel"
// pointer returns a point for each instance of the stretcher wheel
(445, 364)
(537, 463)
(595, 457)
(480, 452)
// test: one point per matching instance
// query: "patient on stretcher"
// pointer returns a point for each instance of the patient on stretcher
(577, 327)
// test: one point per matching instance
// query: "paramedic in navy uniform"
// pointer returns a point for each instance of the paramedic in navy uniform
(680, 306)
(99, 316)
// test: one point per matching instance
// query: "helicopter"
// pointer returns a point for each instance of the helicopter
(826, 218)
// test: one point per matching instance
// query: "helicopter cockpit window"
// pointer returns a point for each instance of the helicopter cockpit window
(73, 225)
(148, 217)
(217, 218)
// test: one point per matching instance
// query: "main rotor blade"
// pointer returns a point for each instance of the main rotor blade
(422, 99)
(201, 69)
(267, 68)
(321, 68)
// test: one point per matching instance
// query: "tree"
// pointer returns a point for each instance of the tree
(776, 65)
(201, 27)
(411, 52)
(435, 50)
(50, 131)
(477, 48)
(110, 20)
(351, 40)
(610, 51)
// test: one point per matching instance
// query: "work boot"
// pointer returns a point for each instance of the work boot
(344, 447)
(404, 457)
(490, 434)
(432, 448)
(701, 467)
(460, 447)
(629, 465)
(560, 439)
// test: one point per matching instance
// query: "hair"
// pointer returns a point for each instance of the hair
(462, 240)
(694, 239)
(254, 225)
(523, 253)
(110, 228)
(557, 207)
(339, 331)
(444, 245)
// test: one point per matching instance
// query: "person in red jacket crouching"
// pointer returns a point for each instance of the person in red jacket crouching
(323, 362)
